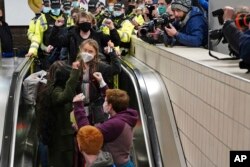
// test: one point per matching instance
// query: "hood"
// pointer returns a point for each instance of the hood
(129, 116)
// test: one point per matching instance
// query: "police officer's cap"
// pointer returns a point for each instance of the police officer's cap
(92, 4)
(45, 1)
(55, 4)
(118, 6)
(66, 4)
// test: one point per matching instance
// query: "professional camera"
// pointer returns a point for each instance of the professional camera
(162, 21)
(242, 20)
(219, 13)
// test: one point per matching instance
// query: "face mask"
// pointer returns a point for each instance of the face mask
(117, 13)
(46, 9)
(110, 8)
(87, 57)
(56, 12)
(75, 4)
(68, 12)
(141, 6)
(105, 107)
(161, 9)
(85, 26)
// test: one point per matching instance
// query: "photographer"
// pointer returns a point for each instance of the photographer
(190, 27)
(230, 32)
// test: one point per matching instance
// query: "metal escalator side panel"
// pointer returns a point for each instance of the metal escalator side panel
(162, 114)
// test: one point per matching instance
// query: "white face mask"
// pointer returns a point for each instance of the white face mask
(105, 107)
(87, 57)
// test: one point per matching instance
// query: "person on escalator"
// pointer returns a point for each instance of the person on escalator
(118, 129)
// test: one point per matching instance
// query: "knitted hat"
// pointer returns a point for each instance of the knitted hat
(183, 5)
(90, 140)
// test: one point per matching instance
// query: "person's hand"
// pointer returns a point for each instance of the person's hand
(59, 22)
(29, 54)
(228, 13)
(109, 23)
(171, 31)
(111, 44)
(78, 98)
(98, 76)
(76, 65)
(49, 48)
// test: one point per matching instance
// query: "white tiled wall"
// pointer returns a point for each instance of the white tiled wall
(210, 102)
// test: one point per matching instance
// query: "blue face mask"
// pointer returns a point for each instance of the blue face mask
(161, 9)
(68, 12)
(75, 4)
(110, 8)
(46, 9)
(56, 12)
(117, 13)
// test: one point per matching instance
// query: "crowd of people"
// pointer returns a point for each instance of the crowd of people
(82, 119)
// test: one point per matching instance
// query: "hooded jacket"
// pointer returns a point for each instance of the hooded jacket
(194, 32)
(117, 131)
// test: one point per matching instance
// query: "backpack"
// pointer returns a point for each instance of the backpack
(30, 86)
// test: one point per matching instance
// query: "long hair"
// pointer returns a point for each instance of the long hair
(94, 62)
(58, 74)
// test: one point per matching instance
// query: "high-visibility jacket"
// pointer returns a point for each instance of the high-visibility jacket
(125, 31)
(32, 27)
(139, 19)
(42, 25)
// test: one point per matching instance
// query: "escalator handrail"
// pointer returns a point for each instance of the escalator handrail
(9, 130)
(155, 146)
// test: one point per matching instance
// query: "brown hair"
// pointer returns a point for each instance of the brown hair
(118, 98)
(83, 14)
(90, 139)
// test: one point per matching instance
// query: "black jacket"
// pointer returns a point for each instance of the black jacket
(6, 38)
(72, 40)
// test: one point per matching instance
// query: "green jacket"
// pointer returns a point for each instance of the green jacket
(62, 147)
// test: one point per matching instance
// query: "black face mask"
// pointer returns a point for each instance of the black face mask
(1, 18)
(85, 26)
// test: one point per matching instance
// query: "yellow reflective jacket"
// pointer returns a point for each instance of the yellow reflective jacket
(40, 27)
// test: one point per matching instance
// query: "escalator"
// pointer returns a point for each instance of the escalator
(156, 141)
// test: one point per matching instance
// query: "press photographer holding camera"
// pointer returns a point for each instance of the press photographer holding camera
(190, 27)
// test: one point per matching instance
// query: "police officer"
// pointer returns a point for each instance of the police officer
(44, 26)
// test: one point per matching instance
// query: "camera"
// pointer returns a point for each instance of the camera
(219, 13)
(163, 21)
(242, 20)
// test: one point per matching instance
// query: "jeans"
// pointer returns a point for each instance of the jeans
(43, 152)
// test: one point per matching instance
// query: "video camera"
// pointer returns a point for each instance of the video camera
(162, 21)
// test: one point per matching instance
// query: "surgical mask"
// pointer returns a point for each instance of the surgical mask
(75, 4)
(141, 6)
(162, 9)
(68, 12)
(85, 26)
(46, 9)
(86, 57)
(56, 12)
(117, 13)
(111, 8)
